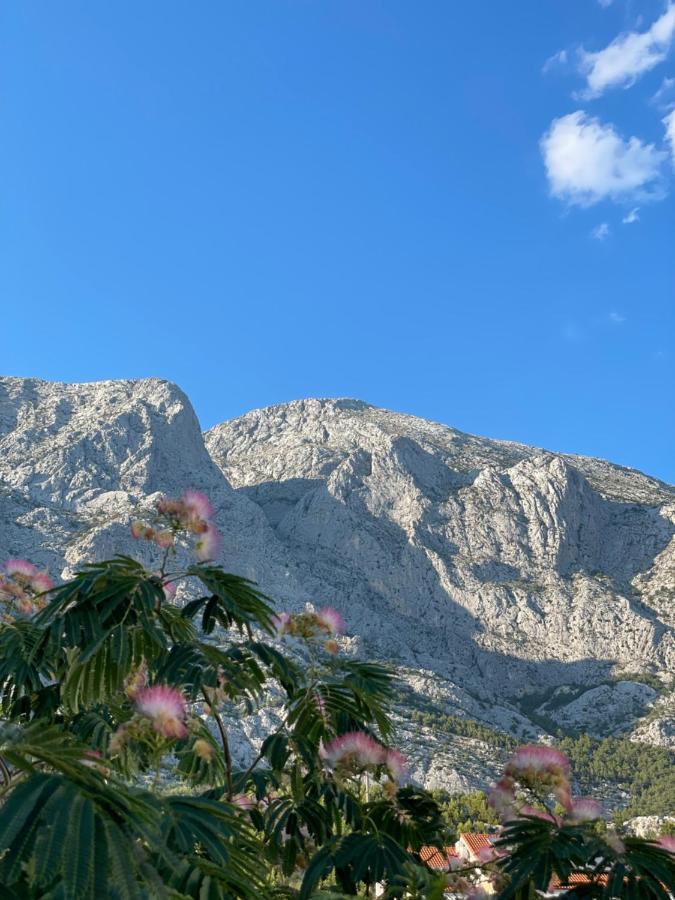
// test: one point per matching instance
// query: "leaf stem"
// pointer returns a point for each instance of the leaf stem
(224, 740)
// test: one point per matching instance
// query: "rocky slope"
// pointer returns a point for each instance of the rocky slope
(510, 585)
(77, 460)
(543, 581)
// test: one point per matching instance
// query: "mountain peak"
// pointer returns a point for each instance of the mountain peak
(487, 568)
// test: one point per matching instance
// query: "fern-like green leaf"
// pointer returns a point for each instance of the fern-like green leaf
(78, 862)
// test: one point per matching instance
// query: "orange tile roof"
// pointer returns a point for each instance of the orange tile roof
(435, 858)
(475, 841)
(576, 878)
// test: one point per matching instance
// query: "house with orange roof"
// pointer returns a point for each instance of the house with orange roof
(470, 844)
(438, 858)
(470, 848)
(574, 880)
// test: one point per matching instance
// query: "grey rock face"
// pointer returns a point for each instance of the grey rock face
(77, 460)
(649, 826)
(495, 576)
(603, 710)
(502, 567)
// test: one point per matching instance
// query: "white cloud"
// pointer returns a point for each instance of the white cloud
(600, 232)
(553, 62)
(669, 123)
(631, 217)
(616, 318)
(664, 98)
(587, 161)
(628, 56)
(605, 3)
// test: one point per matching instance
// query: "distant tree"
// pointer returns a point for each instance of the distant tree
(466, 812)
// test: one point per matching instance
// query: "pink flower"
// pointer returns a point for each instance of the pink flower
(197, 504)
(537, 764)
(397, 764)
(585, 809)
(537, 761)
(502, 798)
(41, 583)
(136, 681)
(169, 587)
(208, 543)
(538, 814)
(164, 539)
(667, 842)
(25, 606)
(20, 567)
(243, 802)
(281, 622)
(23, 588)
(91, 756)
(563, 791)
(175, 515)
(8, 590)
(356, 750)
(166, 709)
(330, 620)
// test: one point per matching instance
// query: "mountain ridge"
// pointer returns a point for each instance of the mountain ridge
(515, 586)
(353, 403)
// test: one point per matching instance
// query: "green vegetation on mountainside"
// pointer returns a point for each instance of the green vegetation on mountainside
(645, 773)
(466, 812)
(638, 778)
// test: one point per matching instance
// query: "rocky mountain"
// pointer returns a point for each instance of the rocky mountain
(76, 460)
(508, 585)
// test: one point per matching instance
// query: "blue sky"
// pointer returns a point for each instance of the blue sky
(459, 212)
